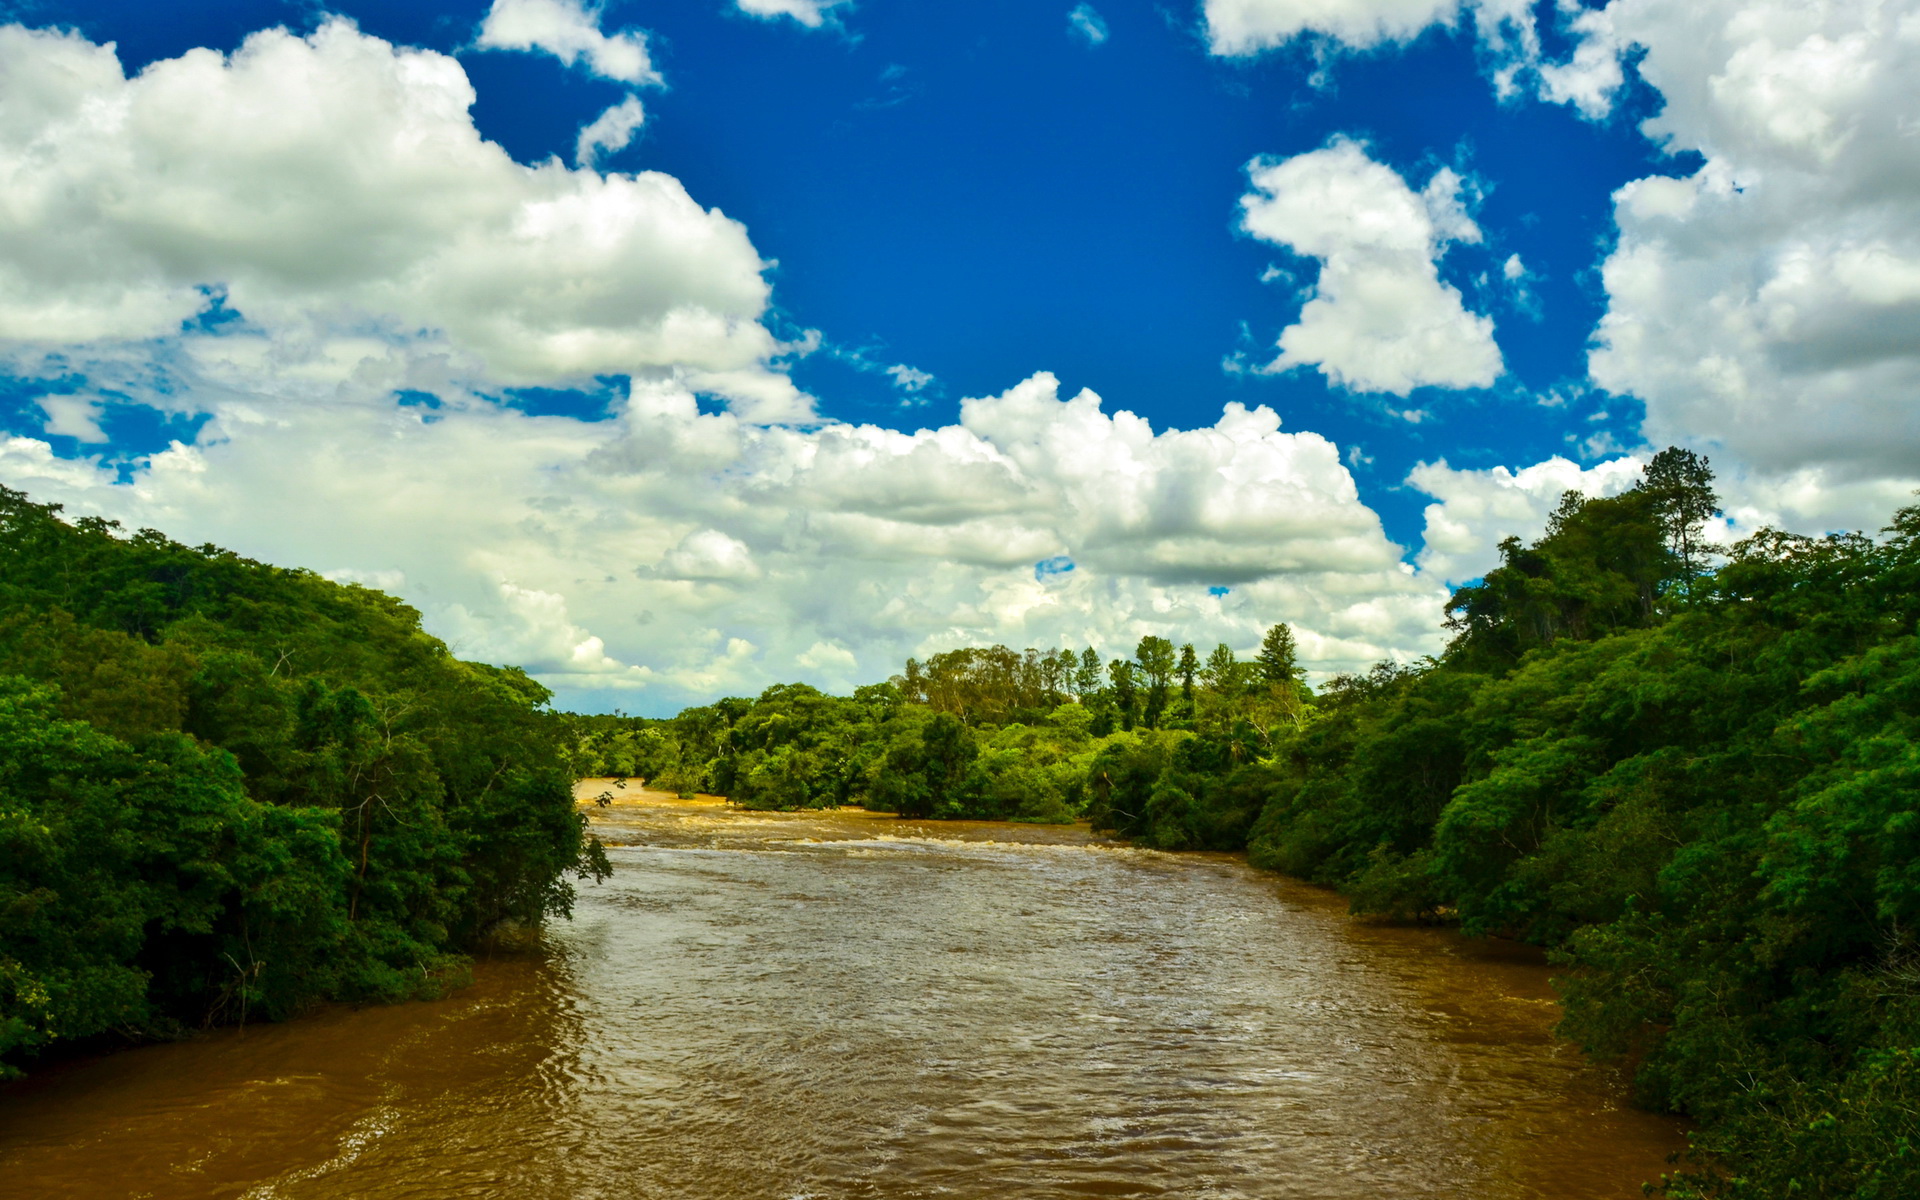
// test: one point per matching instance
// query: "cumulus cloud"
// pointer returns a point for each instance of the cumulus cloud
(532, 628)
(570, 31)
(335, 182)
(1237, 28)
(1762, 307)
(1380, 319)
(669, 553)
(829, 657)
(1591, 77)
(1767, 304)
(1474, 510)
(383, 274)
(814, 14)
(709, 554)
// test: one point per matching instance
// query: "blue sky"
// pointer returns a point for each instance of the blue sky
(886, 209)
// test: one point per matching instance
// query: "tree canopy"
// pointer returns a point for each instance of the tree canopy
(230, 791)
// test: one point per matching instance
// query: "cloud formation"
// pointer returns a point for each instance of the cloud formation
(336, 183)
(1475, 510)
(814, 14)
(570, 31)
(77, 417)
(610, 132)
(1239, 28)
(1767, 304)
(1764, 306)
(669, 553)
(1380, 319)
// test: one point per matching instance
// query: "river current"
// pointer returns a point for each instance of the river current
(828, 1005)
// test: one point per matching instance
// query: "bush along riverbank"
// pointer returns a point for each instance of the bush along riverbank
(230, 791)
(1693, 777)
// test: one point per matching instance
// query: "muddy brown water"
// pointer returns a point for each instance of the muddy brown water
(846, 1005)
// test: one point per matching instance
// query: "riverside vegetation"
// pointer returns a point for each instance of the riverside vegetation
(1693, 778)
(230, 791)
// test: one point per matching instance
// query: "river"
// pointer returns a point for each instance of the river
(775, 1006)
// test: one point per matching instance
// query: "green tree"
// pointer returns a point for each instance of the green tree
(1157, 664)
(1086, 680)
(1278, 659)
(1126, 691)
(1189, 668)
(1222, 672)
(1681, 485)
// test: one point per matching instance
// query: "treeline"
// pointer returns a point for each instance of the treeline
(229, 791)
(976, 733)
(1694, 778)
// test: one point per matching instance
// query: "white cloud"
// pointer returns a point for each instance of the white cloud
(813, 14)
(908, 379)
(708, 554)
(610, 132)
(334, 185)
(1380, 318)
(1086, 24)
(828, 656)
(29, 464)
(1475, 510)
(685, 554)
(1766, 306)
(74, 417)
(1763, 307)
(532, 628)
(392, 582)
(1591, 78)
(1239, 28)
(570, 31)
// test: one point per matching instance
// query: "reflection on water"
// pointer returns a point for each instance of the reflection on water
(839, 1004)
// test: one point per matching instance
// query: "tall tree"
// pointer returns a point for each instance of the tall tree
(1086, 681)
(1278, 659)
(1189, 667)
(1126, 690)
(1681, 485)
(1157, 663)
(1222, 671)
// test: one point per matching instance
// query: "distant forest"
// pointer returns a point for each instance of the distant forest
(1691, 775)
(230, 791)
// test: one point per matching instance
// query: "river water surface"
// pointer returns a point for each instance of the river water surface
(775, 1006)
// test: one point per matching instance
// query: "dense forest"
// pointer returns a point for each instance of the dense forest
(230, 791)
(1692, 776)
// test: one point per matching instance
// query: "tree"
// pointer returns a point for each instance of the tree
(1278, 659)
(1222, 672)
(1603, 566)
(927, 769)
(1086, 681)
(1156, 659)
(1126, 690)
(1189, 667)
(1681, 484)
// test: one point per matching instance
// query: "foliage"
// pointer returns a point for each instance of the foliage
(230, 791)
